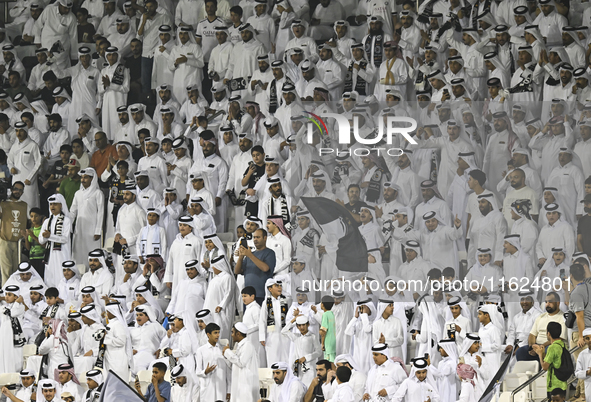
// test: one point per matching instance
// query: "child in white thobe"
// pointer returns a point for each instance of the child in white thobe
(583, 367)
(212, 369)
(244, 364)
(306, 348)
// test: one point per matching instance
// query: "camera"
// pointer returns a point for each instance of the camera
(451, 331)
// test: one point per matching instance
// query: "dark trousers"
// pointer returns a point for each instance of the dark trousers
(147, 65)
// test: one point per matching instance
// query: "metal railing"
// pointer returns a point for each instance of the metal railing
(538, 375)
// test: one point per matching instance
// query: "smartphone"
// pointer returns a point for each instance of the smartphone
(562, 274)
(243, 243)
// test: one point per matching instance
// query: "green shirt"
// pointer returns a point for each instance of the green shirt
(553, 356)
(37, 251)
(330, 340)
(68, 188)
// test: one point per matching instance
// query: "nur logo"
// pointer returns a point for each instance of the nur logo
(345, 128)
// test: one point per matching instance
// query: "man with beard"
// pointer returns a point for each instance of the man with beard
(575, 52)
(581, 89)
(193, 106)
(57, 137)
(539, 330)
(260, 81)
(323, 18)
(275, 88)
(432, 201)
(243, 60)
(122, 38)
(373, 42)
(520, 191)
(14, 216)
(489, 231)
(290, 107)
(134, 64)
(355, 204)
(320, 388)
(154, 164)
(360, 73)
(330, 72)
(305, 87)
(99, 276)
(277, 204)
(240, 164)
(283, 377)
(113, 88)
(130, 221)
(410, 37)
(88, 208)
(564, 90)
(24, 161)
(85, 82)
(124, 132)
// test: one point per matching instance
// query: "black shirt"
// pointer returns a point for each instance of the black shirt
(356, 208)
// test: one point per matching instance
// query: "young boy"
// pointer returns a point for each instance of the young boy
(552, 356)
(59, 170)
(306, 348)
(416, 387)
(328, 328)
(36, 250)
(117, 185)
(159, 389)
(12, 310)
(71, 183)
(54, 309)
(274, 308)
(69, 286)
(85, 29)
(211, 367)
(152, 237)
(250, 318)
(32, 324)
(166, 149)
(80, 154)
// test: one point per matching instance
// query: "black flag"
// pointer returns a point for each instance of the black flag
(497, 380)
(338, 225)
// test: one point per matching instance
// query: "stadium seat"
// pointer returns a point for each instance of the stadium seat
(28, 350)
(9, 378)
(528, 367)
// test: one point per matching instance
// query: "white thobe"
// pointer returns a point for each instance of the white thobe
(85, 91)
(53, 269)
(157, 171)
(215, 385)
(392, 330)
(492, 345)
(181, 250)
(583, 150)
(389, 376)
(528, 232)
(88, 210)
(221, 293)
(161, 74)
(115, 341)
(306, 346)
(434, 204)
(415, 390)
(56, 27)
(188, 73)
(570, 182)
(496, 156)
(583, 364)
(449, 158)
(112, 97)
(101, 280)
(189, 296)
(250, 318)
(520, 326)
(26, 159)
(281, 245)
(130, 221)
(146, 340)
(244, 362)
(489, 232)
(561, 234)
(275, 343)
(360, 329)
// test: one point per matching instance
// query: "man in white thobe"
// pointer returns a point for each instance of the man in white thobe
(24, 161)
(244, 363)
(87, 210)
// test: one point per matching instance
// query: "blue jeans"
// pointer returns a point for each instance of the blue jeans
(523, 354)
(147, 64)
